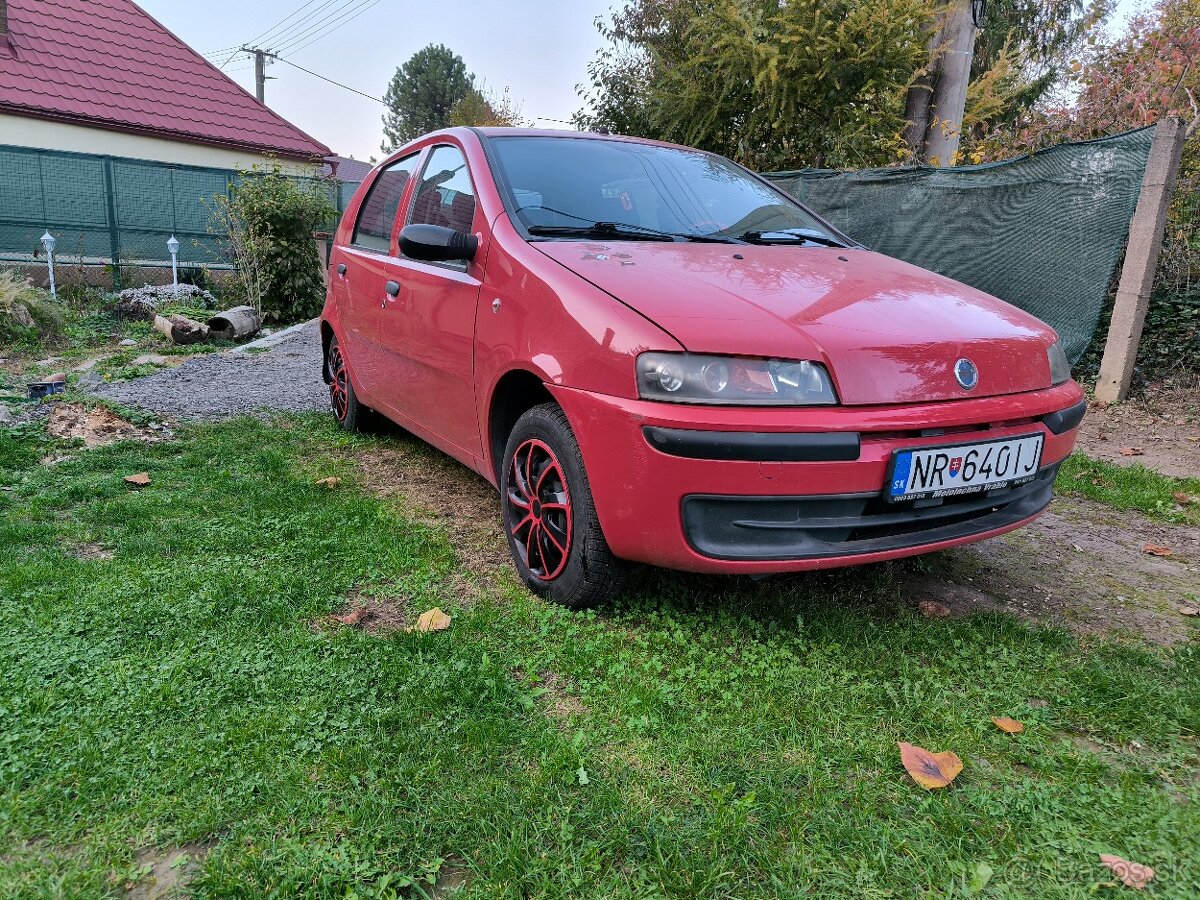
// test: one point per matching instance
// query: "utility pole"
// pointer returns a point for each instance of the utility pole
(936, 101)
(260, 70)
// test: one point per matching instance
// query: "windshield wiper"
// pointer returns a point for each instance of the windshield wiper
(624, 231)
(790, 235)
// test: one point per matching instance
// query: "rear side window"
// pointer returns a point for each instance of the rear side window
(378, 212)
(445, 196)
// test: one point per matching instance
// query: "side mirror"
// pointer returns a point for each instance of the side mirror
(434, 243)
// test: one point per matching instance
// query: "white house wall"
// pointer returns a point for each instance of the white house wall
(22, 131)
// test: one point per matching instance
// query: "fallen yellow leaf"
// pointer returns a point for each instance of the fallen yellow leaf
(432, 620)
(331, 482)
(1007, 725)
(1186, 610)
(930, 770)
(1132, 874)
(141, 479)
(1156, 550)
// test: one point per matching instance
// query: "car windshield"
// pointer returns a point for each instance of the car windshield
(561, 185)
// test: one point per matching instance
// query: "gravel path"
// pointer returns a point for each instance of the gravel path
(285, 377)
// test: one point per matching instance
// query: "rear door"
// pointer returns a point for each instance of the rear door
(366, 277)
(428, 329)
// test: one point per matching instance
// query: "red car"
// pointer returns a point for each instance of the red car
(659, 357)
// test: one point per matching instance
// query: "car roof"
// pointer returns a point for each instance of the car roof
(498, 132)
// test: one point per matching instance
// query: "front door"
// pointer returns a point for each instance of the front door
(429, 327)
(364, 281)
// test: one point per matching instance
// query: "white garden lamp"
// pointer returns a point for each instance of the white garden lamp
(173, 248)
(49, 243)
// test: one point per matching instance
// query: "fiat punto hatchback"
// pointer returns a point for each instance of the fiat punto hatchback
(657, 356)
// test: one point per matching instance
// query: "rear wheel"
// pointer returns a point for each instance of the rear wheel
(346, 408)
(549, 517)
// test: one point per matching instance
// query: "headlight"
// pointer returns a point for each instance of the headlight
(733, 380)
(1060, 368)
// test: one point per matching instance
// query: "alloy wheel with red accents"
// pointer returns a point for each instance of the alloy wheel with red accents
(549, 515)
(541, 508)
(346, 408)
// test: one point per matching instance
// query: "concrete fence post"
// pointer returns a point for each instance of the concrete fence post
(1141, 260)
(321, 241)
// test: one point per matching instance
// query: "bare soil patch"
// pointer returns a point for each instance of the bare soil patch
(1159, 429)
(168, 871)
(1080, 566)
(560, 700)
(91, 551)
(438, 491)
(96, 426)
(375, 615)
(451, 879)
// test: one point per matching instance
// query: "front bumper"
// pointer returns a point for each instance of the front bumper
(684, 488)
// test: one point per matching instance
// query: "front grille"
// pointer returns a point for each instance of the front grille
(784, 528)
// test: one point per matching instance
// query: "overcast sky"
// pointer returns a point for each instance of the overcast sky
(538, 48)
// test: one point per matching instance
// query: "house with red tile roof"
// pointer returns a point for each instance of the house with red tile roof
(104, 77)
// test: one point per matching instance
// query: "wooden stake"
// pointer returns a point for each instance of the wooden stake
(1141, 260)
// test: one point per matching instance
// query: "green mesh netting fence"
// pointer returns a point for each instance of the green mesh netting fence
(105, 210)
(1043, 232)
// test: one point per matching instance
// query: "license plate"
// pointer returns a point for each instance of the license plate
(963, 468)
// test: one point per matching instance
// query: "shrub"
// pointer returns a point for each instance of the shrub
(268, 222)
(27, 312)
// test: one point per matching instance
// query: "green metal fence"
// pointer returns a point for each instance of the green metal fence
(114, 211)
(1044, 231)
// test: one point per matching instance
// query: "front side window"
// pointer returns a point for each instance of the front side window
(445, 195)
(560, 183)
(378, 213)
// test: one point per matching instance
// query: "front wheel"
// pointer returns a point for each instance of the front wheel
(549, 517)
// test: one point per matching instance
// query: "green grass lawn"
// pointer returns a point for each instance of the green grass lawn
(1131, 487)
(705, 738)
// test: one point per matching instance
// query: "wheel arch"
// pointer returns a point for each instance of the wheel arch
(515, 392)
(326, 340)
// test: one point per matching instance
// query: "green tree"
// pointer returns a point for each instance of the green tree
(773, 85)
(814, 82)
(482, 109)
(422, 94)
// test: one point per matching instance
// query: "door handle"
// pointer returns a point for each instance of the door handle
(393, 290)
(342, 269)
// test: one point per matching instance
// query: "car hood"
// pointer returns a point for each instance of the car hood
(889, 332)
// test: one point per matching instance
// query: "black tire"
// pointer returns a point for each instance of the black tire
(587, 573)
(348, 412)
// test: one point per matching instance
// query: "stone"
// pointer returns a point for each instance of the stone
(90, 380)
(150, 359)
(128, 342)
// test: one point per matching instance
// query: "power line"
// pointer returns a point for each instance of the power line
(331, 81)
(318, 25)
(369, 5)
(236, 51)
(293, 14)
